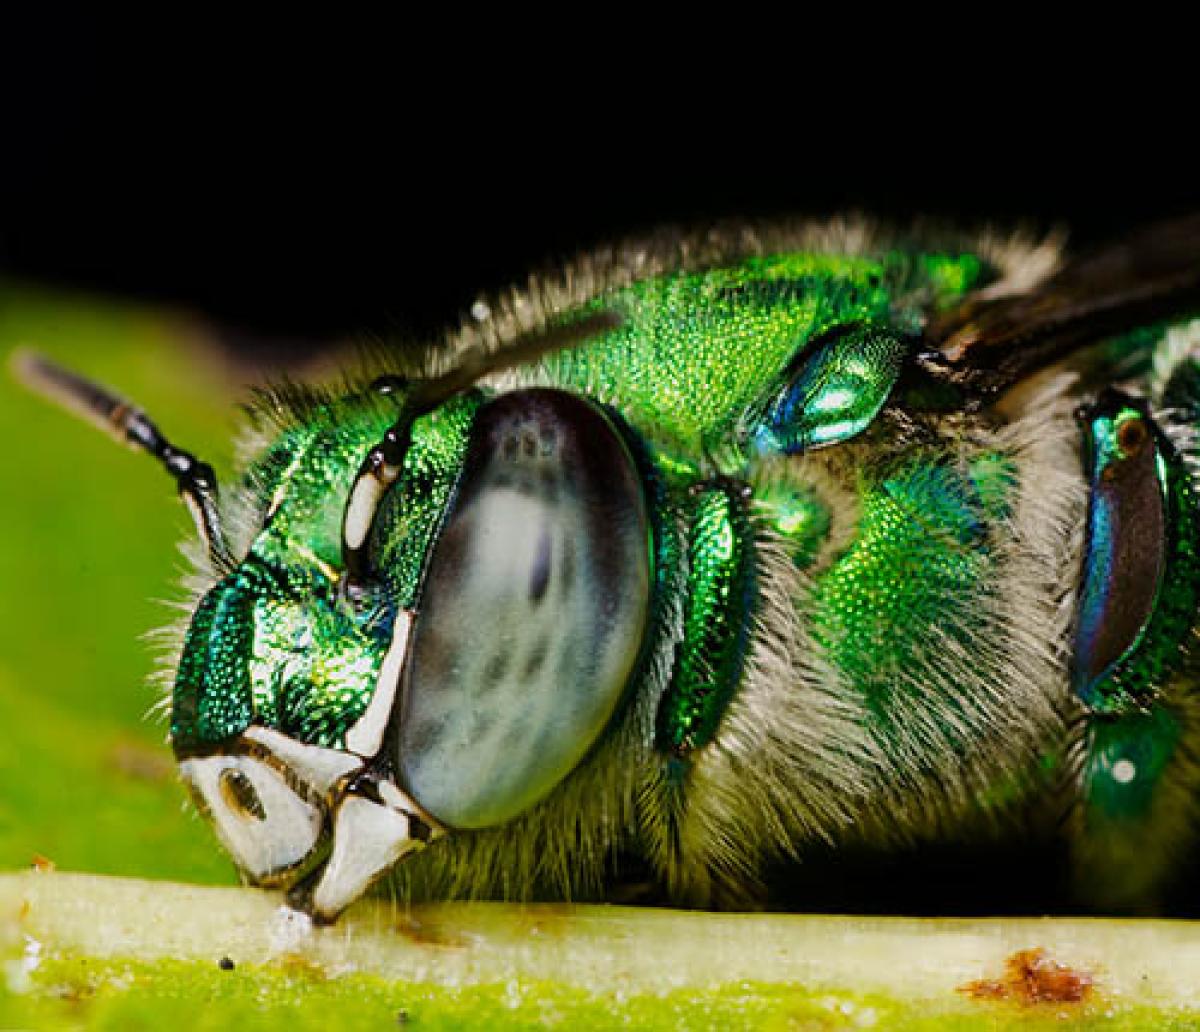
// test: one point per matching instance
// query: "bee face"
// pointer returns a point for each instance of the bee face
(731, 554)
(521, 524)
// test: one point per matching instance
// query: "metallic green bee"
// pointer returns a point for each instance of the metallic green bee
(714, 552)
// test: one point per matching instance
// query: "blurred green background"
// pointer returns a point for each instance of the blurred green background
(89, 562)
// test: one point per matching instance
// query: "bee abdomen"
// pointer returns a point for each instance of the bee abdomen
(533, 611)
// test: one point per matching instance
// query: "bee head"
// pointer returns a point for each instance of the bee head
(286, 680)
(327, 682)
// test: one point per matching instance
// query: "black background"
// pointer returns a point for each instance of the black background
(297, 182)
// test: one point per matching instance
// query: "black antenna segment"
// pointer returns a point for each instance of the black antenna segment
(195, 479)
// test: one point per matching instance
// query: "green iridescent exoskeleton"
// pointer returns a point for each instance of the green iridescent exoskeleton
(720, 555)
(273, 643)
(845, 567)
(696, 350)
(799, 516)
(920, 556)
(776, 416)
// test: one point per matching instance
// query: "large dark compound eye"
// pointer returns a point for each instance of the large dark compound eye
(533, 611)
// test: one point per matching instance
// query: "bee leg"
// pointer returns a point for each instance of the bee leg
(718, 612)
(1141, 569)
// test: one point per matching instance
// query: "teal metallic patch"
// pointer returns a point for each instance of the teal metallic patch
(832, 391)
(718, 612)
(800, 517)
(1126, 759)
(1140, 588)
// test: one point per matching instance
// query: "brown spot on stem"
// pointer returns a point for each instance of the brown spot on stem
(430, 934)
(300, 966)
(42, 864)
(1033, 976)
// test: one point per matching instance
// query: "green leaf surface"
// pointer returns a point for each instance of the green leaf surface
(89, 536)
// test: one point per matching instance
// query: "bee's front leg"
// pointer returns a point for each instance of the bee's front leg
(716, 619)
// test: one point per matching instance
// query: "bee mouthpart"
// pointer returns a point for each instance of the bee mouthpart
(375, 825)
(316, 819)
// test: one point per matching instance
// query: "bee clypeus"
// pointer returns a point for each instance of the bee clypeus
(713, 552)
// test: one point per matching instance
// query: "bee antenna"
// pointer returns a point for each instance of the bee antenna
(381, 468)
(195, 479)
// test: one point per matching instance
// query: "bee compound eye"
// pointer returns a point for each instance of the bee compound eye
(266, 826)
(533, 612)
